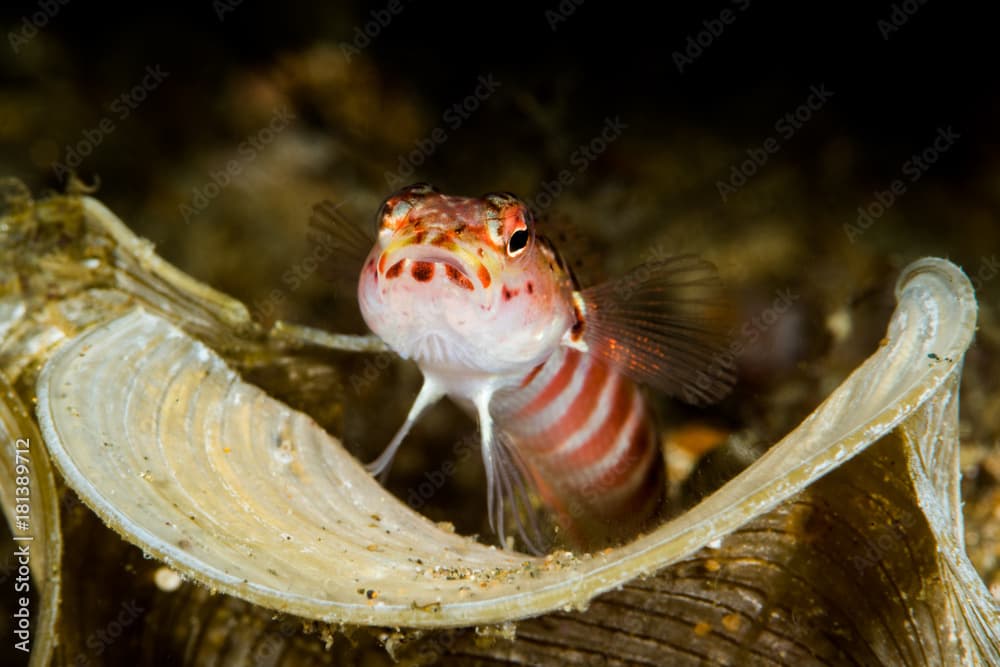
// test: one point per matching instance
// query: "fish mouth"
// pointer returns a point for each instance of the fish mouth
(441, 258)
(459, 266)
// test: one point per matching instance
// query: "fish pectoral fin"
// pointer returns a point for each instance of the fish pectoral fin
(506, 485)
(666, 323)
(430, 393)
(347, 244)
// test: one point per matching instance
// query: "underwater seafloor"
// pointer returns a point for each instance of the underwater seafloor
(215, 147)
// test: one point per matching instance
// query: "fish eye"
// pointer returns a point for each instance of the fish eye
(517, 242)
(391, 212)
(398, 204)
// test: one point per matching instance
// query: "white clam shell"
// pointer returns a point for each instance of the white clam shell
(239, 492)
(236, 490)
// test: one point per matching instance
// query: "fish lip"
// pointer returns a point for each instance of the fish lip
(435, 256)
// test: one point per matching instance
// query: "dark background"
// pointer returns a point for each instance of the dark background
(686, 130)
(890, 94)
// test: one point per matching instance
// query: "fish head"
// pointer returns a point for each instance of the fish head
(463, 284)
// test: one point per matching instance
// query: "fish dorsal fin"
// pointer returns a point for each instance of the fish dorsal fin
(346, 243)
(665, 323)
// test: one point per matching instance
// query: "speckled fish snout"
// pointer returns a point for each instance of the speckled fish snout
(433, 257)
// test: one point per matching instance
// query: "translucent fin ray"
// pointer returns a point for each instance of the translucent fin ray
(347, 244)
(664, 324)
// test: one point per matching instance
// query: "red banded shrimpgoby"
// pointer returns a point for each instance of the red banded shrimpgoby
(483, 303)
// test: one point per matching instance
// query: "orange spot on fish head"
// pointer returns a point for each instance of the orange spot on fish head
(484, 275)
(422, 271)
(395, 269)
(456, 276)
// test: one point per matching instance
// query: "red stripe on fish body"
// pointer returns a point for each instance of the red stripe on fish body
(585, 433)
